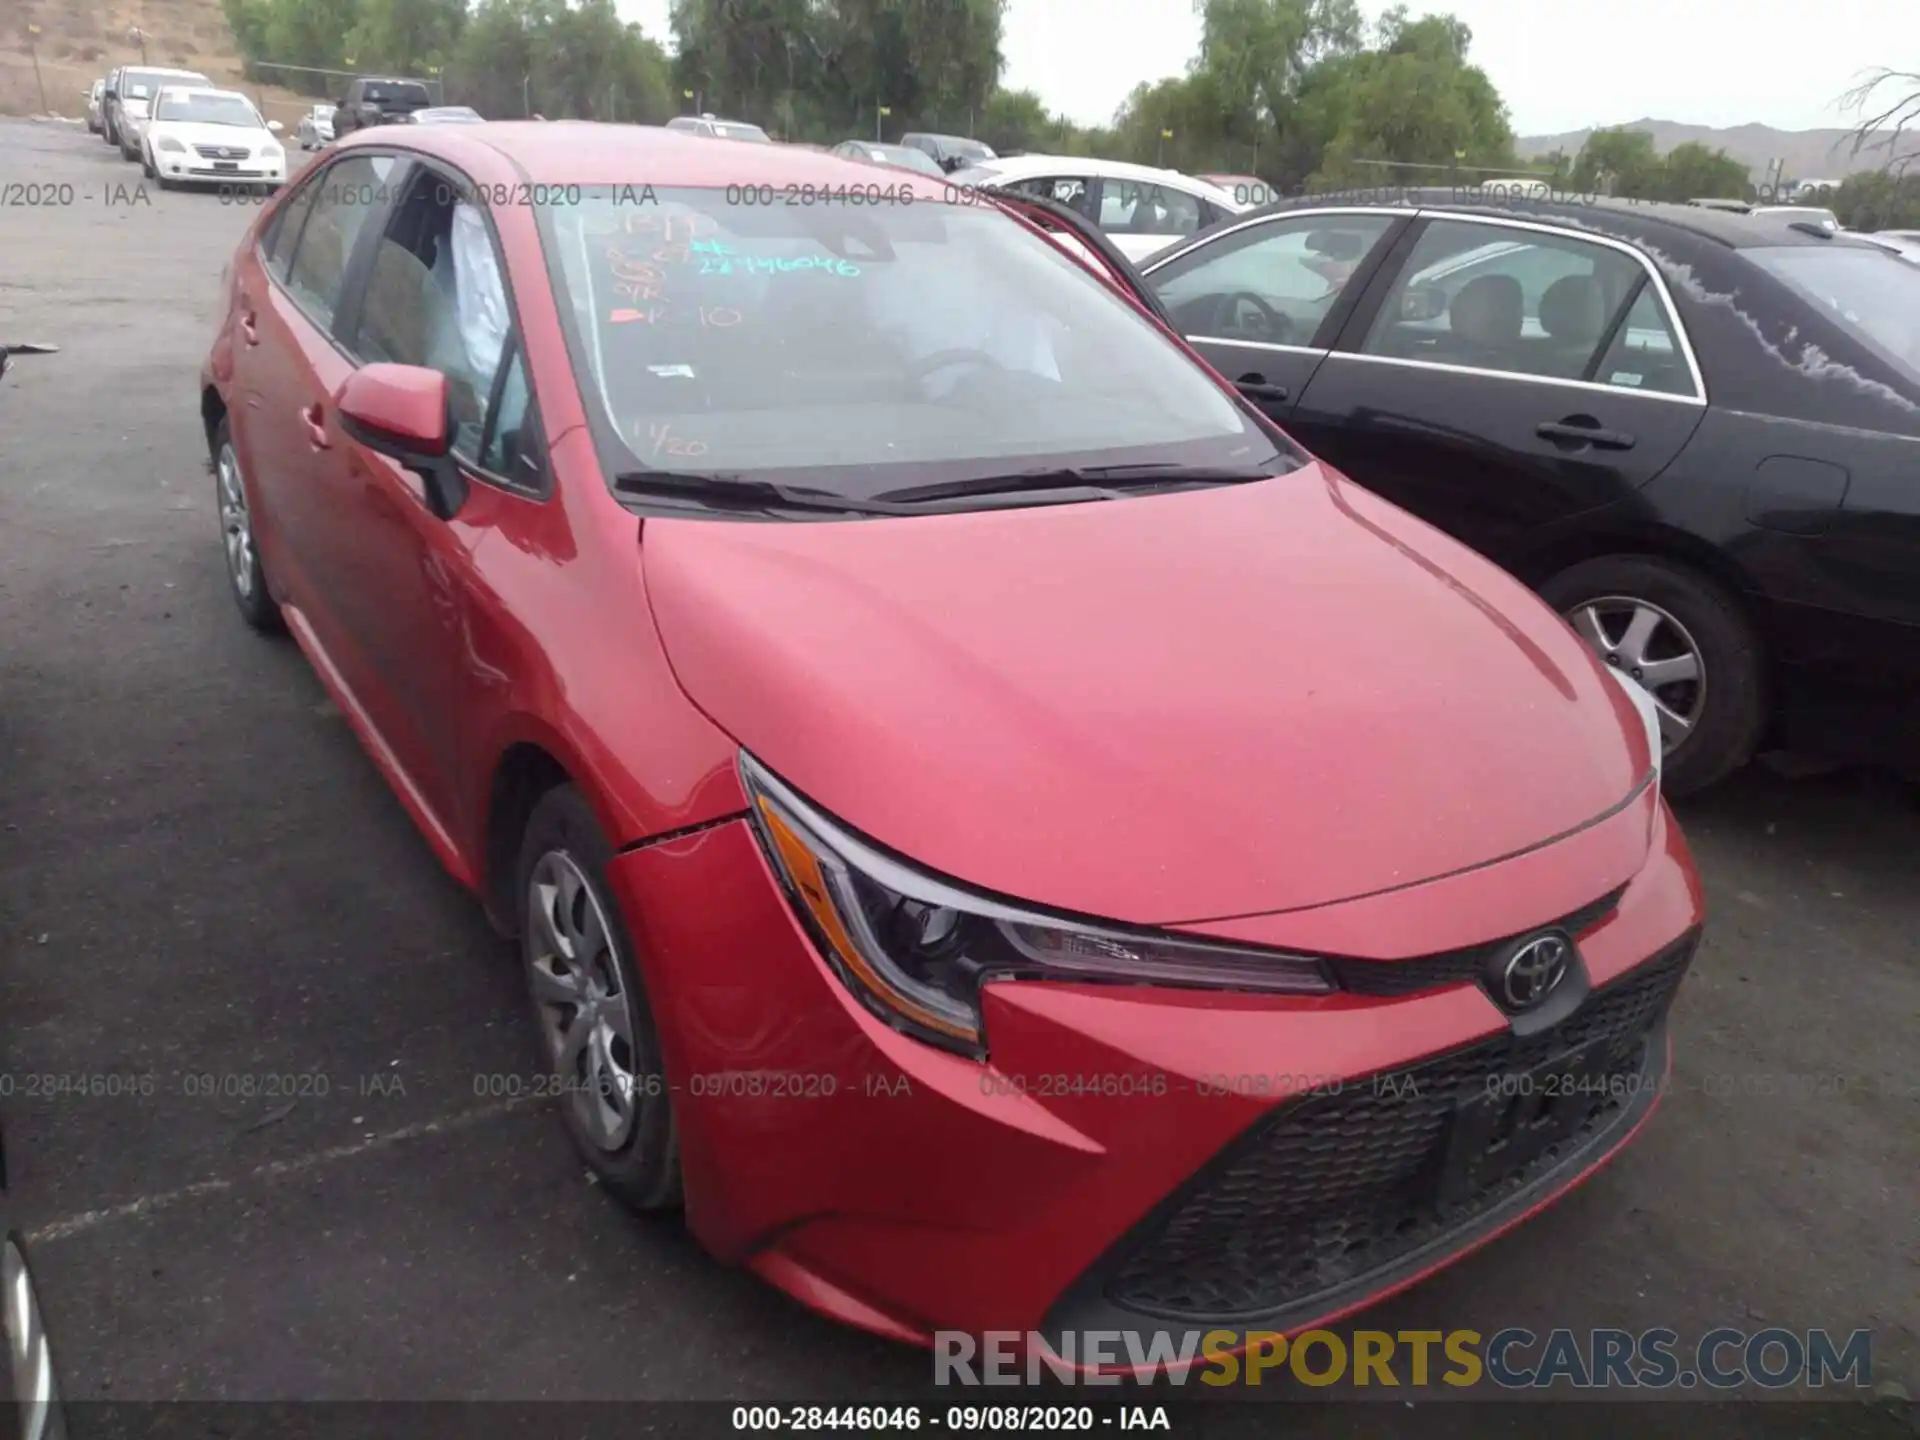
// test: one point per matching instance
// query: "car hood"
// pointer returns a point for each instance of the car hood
(189, 133)
(1164, 709)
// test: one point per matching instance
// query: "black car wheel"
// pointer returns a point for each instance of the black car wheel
(590, 1009)
(1687, 643)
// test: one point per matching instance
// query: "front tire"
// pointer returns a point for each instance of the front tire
(246, 577)
(1687, 642)
(590, 1010)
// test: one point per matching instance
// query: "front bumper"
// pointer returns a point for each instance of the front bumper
(1060, 1185)
(193, 169)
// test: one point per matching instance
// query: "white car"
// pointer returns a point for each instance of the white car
(316, 127)
(1143, 210)
(131, 102)
(211, 135)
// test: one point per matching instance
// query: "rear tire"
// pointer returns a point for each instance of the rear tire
(1732, 702)
(592, 1020)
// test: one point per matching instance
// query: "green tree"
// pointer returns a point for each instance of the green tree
(1620, 162)
(1695, 172)
(1416, 102)
(405, 36)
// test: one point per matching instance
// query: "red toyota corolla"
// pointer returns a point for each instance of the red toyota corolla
(1005, 837)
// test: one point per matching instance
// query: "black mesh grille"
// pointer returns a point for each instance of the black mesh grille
(221, 152)
(1325, 1192)
(1453, 967)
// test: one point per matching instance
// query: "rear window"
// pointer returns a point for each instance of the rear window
(1874, 295)
(864, 348)
(394, 94)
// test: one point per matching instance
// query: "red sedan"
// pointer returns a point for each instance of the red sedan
(998, 832)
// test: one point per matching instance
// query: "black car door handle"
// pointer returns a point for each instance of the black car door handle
(1255, 387)
(1584, 432)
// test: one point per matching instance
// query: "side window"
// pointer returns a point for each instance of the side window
(435, 298)
(1530, 302)
(1062, 189)
(1133, 207)
(1644, 354)
(513, 449)
(1273, 282)
(343, 197)
(285, 233)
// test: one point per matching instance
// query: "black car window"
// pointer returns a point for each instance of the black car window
(1487, 297)
(1064, 189)
(1644, 354)
(1874, 296)
(343, 197)
(1273, 282)
(435, 299)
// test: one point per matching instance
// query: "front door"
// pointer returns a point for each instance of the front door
(1259, 299)
(1503, 380)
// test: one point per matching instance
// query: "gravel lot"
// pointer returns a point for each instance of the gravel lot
(202, 875)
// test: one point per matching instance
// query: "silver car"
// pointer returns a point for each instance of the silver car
(316, 128)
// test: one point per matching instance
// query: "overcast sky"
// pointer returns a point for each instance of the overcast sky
(1561, 64)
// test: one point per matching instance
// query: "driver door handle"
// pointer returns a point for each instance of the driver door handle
(315, 421)
(1255, 387)
(1584, 430)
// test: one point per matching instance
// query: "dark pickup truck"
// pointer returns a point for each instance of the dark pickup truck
(379, 102)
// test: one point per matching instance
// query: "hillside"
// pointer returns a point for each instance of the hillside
(1808, 154)
(80, 40)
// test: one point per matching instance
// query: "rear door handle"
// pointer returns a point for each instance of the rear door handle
(314, 418)
(1584, 431)
(1255, 387)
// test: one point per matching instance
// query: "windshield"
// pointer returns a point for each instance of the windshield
(1873, 294)
(145, 84)
(209, 110)
(727, 130)
(448, 115)
(861, 350)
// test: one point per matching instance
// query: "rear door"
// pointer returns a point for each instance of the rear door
(1262, 300)
(1501, 378)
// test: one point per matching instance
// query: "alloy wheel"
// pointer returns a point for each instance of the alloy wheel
(585, 1014)
(1648, 646)
(236, 522)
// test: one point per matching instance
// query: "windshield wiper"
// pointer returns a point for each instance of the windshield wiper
(735, 492)
(1107, 482)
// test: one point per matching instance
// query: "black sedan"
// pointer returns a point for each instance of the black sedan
(1696, 434)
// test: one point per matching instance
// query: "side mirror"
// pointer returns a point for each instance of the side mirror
(109, 94)
(400, 411)
(276, 127)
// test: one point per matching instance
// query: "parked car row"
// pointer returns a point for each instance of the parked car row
(182, 129)
(936, 682)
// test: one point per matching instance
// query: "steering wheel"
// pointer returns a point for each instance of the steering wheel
(954, 355)
(1273, 326)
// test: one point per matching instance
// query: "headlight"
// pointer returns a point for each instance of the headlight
(1649, 717)
(916, 950)
(273, 153)
(167, 142)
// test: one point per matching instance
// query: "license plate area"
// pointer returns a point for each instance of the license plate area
(1520, 1115)
(226, 164)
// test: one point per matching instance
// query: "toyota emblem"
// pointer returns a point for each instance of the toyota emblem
(1534, 971)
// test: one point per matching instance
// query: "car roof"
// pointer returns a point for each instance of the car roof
(1029, 166)
(162, 70)
(589, 152)
(1635, 221)
(203, 90)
